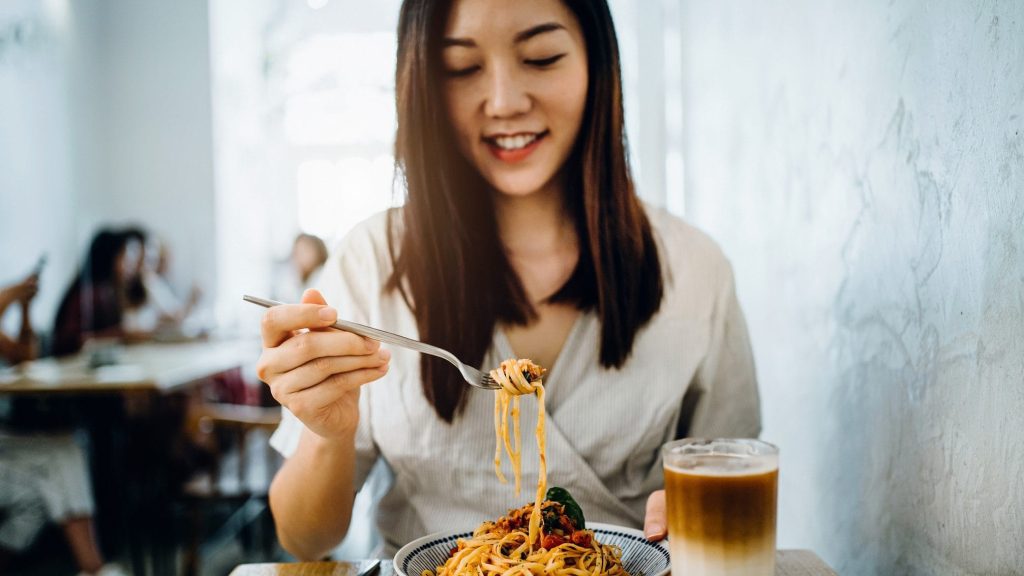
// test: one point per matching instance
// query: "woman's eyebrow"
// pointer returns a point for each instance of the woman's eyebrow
(519, 38)
(537, 30)
(464, 42)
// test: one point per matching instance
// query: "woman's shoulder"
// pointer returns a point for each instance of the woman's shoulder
(366, 244)
(373, 230)
(358, 268)
(684, 248)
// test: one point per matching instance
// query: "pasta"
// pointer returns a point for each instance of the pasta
(546, 539)
(502, 548)
(518, 377)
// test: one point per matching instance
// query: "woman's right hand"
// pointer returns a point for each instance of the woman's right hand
(23, 291)
(316, 371)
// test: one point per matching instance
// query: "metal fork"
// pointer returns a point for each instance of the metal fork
(471, 375)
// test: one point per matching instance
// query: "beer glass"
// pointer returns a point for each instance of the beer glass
(721, 496)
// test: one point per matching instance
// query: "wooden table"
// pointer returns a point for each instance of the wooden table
(150, 367)
(116, 403)
(788, 563)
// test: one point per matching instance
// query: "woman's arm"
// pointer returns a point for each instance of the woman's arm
(15, 351)
(311, 496)
(10, 350)
(317, 374)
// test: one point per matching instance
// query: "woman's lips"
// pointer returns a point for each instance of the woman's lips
(515, 155)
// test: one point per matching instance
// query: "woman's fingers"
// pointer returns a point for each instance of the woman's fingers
(318, 370)
(309, 345)
(314, 370)
(280, 322)
(311, 296)
(306, 347)
(310, 403)
(656, 518)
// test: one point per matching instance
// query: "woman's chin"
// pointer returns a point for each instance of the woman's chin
(518, 187)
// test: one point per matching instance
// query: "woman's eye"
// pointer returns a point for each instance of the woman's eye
(545, 62)
(461, 72)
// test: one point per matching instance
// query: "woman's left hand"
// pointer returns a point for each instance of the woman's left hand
(656, 519)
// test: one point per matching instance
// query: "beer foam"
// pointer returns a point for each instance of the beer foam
(723, 464)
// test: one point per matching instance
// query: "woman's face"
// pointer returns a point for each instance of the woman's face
(305, 257)
(129, 260)
(515, 88)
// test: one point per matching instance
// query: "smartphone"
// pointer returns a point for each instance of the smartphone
(40, 264)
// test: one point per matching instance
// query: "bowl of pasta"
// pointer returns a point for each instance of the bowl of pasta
(553, 539)
(560, 545)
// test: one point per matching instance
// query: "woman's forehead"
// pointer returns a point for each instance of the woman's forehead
(504, 19)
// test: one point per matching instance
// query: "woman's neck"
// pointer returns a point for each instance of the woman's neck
(535, 225)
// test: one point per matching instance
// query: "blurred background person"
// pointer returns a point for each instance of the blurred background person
(140, 315)
(152, 309)
(162, 297)
(94, 304)
(43, 476)
(294, 274)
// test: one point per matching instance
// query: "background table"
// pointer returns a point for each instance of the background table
(150, 367)
(131, 409)
(788, 563)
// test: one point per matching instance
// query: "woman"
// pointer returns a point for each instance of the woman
(293, 275)
(521, 235)
(94, 304)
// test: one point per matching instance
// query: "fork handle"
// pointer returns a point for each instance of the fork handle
(372, 333)
(391, 338)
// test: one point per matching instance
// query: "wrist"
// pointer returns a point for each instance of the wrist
(344, 440)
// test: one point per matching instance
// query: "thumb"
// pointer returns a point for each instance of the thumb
(311, 296)
(656, 519)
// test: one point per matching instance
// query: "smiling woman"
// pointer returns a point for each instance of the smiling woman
(544, 74)
(521, 236)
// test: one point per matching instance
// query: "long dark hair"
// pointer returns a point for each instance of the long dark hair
(92, 301)
(450, 265)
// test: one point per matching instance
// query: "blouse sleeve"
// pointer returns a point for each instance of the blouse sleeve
(729, 404)
(349, 282)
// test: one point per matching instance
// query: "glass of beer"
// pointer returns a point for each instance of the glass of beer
(721, 497)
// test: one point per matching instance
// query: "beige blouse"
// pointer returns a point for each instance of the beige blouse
(604, 427)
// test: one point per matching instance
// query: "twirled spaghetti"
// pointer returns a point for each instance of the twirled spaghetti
(517, 377)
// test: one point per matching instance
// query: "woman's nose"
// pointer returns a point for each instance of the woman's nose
(506, 94)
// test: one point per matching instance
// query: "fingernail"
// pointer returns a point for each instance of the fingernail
(384, 354)
(371, 345)
(654, 531)
(328, 314)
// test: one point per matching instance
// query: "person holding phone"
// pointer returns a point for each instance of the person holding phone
(22, 347)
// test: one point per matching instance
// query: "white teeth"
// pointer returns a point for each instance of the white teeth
(515, 142)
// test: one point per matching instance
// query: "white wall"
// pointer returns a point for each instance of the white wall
(862, 163)
(104, 119)
(257, 83)
(38, 203)
(154, 138)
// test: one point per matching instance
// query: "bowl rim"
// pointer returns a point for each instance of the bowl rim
(414, 546)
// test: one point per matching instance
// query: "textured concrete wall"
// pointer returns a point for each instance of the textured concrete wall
(863, 165)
